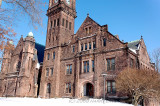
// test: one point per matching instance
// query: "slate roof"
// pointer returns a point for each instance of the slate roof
(40, 51)
(134, 44)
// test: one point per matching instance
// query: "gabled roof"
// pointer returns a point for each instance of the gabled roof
(88, 19)
(40, 51)
(134, 44)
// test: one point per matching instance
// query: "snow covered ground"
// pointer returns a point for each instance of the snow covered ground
(56, 102)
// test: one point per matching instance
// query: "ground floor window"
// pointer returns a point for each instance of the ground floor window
(111, 89)
(49, 88)
(68, 87)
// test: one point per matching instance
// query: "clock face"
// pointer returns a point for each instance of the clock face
(55, 1)
(68, 1)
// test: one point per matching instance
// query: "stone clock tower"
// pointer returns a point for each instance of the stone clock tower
(61, 15)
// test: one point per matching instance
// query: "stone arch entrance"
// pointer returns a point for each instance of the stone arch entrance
(88, 90)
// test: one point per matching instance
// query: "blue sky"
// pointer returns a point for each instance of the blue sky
(128, 18)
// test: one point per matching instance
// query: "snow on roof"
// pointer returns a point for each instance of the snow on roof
(133, 45)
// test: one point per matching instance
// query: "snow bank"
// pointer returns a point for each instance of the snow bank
(56, 102)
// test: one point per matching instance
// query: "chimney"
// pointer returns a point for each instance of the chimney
(117, 36)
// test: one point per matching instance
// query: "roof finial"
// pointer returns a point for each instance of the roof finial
(141, 37)
(87, 14)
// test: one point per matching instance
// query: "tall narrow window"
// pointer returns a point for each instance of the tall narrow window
(63, 22)
(66, 23)
(70, 25)
(69, 69)
(73, 49)
(111, 64)
(51, 24)
(29, 62)
(51, 71)
(68, 87)
(54, 23)
(49, 88)
(111, 89)
(48, 56)
(54, 55)
(86, 66)
(86, 30)
(90, 45)
(90, 30)
(18, 66)
(81, 47)
(94, 45)
(104, 42)
(58, 22)
(86, 46)
(47, 72)
(93, 65)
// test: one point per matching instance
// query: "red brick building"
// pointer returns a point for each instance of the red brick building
(74, 64)
(21, 68)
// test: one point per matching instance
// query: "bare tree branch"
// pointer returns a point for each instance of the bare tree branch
(139, 84)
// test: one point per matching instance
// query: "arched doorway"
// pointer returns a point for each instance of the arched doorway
(88, 90)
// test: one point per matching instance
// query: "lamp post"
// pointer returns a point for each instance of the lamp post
(104, 88)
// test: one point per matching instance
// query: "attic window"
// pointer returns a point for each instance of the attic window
(104, 42)
(86, 30)
(90, 30)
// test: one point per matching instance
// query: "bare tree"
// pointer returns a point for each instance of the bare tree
(12, 11)
(141, 84)
(156, 58)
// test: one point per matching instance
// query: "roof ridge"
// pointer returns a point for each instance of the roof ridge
(134, 41)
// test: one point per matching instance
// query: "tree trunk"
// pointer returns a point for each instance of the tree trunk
(0, 3)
